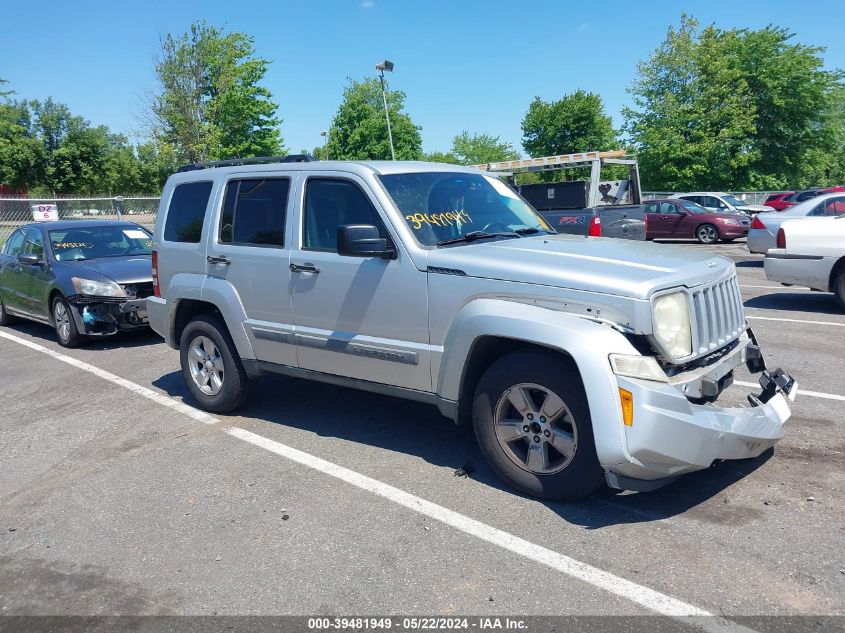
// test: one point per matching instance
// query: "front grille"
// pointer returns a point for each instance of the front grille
(139, 291)
(718, 315)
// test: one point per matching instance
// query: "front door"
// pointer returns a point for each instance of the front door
(250, 250)
(360, 317)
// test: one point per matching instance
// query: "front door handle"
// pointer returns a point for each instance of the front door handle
(304, 268)
(217, 260)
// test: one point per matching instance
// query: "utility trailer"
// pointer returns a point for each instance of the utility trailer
(596, 208)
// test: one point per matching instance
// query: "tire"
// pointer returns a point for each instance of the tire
(64, 324)
(707, 234)
(216, 379)
(5, 317)
(839, 288)
(554, 474)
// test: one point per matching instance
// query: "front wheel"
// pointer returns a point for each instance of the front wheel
(65, 325)
(211, 366)
(707, 234)
(533, 425)
(839, 288)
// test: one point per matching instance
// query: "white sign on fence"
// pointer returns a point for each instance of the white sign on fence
(45, 212)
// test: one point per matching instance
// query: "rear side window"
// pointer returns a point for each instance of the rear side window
(667, 207)
(34, 243)
(187, 212)
(254, 212)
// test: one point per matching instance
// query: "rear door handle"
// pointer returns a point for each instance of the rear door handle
(217, 260)
(304, 268)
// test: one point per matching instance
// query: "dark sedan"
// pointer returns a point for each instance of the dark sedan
(85, 278)
(681, 219)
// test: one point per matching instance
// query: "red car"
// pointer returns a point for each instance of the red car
(778, 201)
(682, 219)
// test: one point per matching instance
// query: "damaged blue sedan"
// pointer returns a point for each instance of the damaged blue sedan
(84, 278)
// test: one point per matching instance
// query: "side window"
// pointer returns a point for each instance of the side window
(817, 210)
(695, 199)
(667, 207)
(834, 206)
(714, 203)
(34, 244)
(651, 207)
(186, 212)
(330, 202)
(254, 212)
(14, 245)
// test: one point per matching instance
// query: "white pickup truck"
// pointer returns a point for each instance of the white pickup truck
(577, 359)
(810, 253)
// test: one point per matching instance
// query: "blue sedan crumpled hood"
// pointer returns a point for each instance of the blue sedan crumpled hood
(131, 269)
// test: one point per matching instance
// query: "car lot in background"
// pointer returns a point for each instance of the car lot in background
(163, 509)
(778, 201)
(764, 227)
(721, 202)
(85, 278)
(679, 218)
(810, 254)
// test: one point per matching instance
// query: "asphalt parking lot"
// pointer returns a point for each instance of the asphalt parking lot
(117, 499)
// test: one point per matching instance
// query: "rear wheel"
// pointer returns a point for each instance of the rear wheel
(5, 317)
(707, 234)
(533, 425)
(839, 288)
(211, 366)
(65, 325)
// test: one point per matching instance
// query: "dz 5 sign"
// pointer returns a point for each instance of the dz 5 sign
(45, 212)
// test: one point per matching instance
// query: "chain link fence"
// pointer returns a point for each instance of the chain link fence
(17, 211)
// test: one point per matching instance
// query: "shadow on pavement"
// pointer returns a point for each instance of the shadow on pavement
(819, 302)
(128, 339)
(417, 429)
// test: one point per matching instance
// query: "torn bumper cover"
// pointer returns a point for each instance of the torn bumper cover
(671, 436)
(104, 316)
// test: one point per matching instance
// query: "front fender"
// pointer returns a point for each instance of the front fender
(588, 343)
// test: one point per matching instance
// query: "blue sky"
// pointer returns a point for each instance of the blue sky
(464, 64)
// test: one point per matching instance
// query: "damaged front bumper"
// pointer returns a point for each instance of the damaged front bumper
(104, 316)
(673, 433)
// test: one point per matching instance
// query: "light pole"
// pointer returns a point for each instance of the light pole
(325, 136)
(380, 68)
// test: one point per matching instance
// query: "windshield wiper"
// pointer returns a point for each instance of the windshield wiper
(531, 231)
(472, 236)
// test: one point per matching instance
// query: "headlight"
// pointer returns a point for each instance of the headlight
(728, 220)
(97, 288)
(672, 324)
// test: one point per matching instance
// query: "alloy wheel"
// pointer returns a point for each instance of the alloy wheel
(206, 365)
(707, 234)
(535, 428)
(62, 320)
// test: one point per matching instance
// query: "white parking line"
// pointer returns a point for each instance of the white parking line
(801, 392)
(759, 318)
(645, 597)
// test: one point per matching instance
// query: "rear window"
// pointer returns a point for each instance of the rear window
(254, 212)
(187, 212)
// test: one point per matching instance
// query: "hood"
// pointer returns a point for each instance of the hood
(131, 269)
(754, 207)
(611, 266)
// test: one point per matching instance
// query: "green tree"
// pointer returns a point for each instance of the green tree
(575, 123)
(21, 154)
(721, 109)
(474, 149)
(442, 157)
(211, 105)
(359, 129)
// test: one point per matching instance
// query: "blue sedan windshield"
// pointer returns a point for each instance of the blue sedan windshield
(99, 241)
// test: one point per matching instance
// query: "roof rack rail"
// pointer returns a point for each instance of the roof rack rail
(254, 160)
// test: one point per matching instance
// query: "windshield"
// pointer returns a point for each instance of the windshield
(692, 207)
(734, 201)
(442, 206)
(92, 242)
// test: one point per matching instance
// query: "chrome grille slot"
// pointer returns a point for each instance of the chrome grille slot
(719, 316)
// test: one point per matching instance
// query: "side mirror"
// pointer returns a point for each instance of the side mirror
(29, 260)
(362, 240)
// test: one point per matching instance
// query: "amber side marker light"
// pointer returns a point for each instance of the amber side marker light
(627, 406)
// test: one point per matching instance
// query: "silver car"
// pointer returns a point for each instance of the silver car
(764, 227)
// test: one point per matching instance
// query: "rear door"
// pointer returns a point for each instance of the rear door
(35, 278)
(251, 250)
(11, 277)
